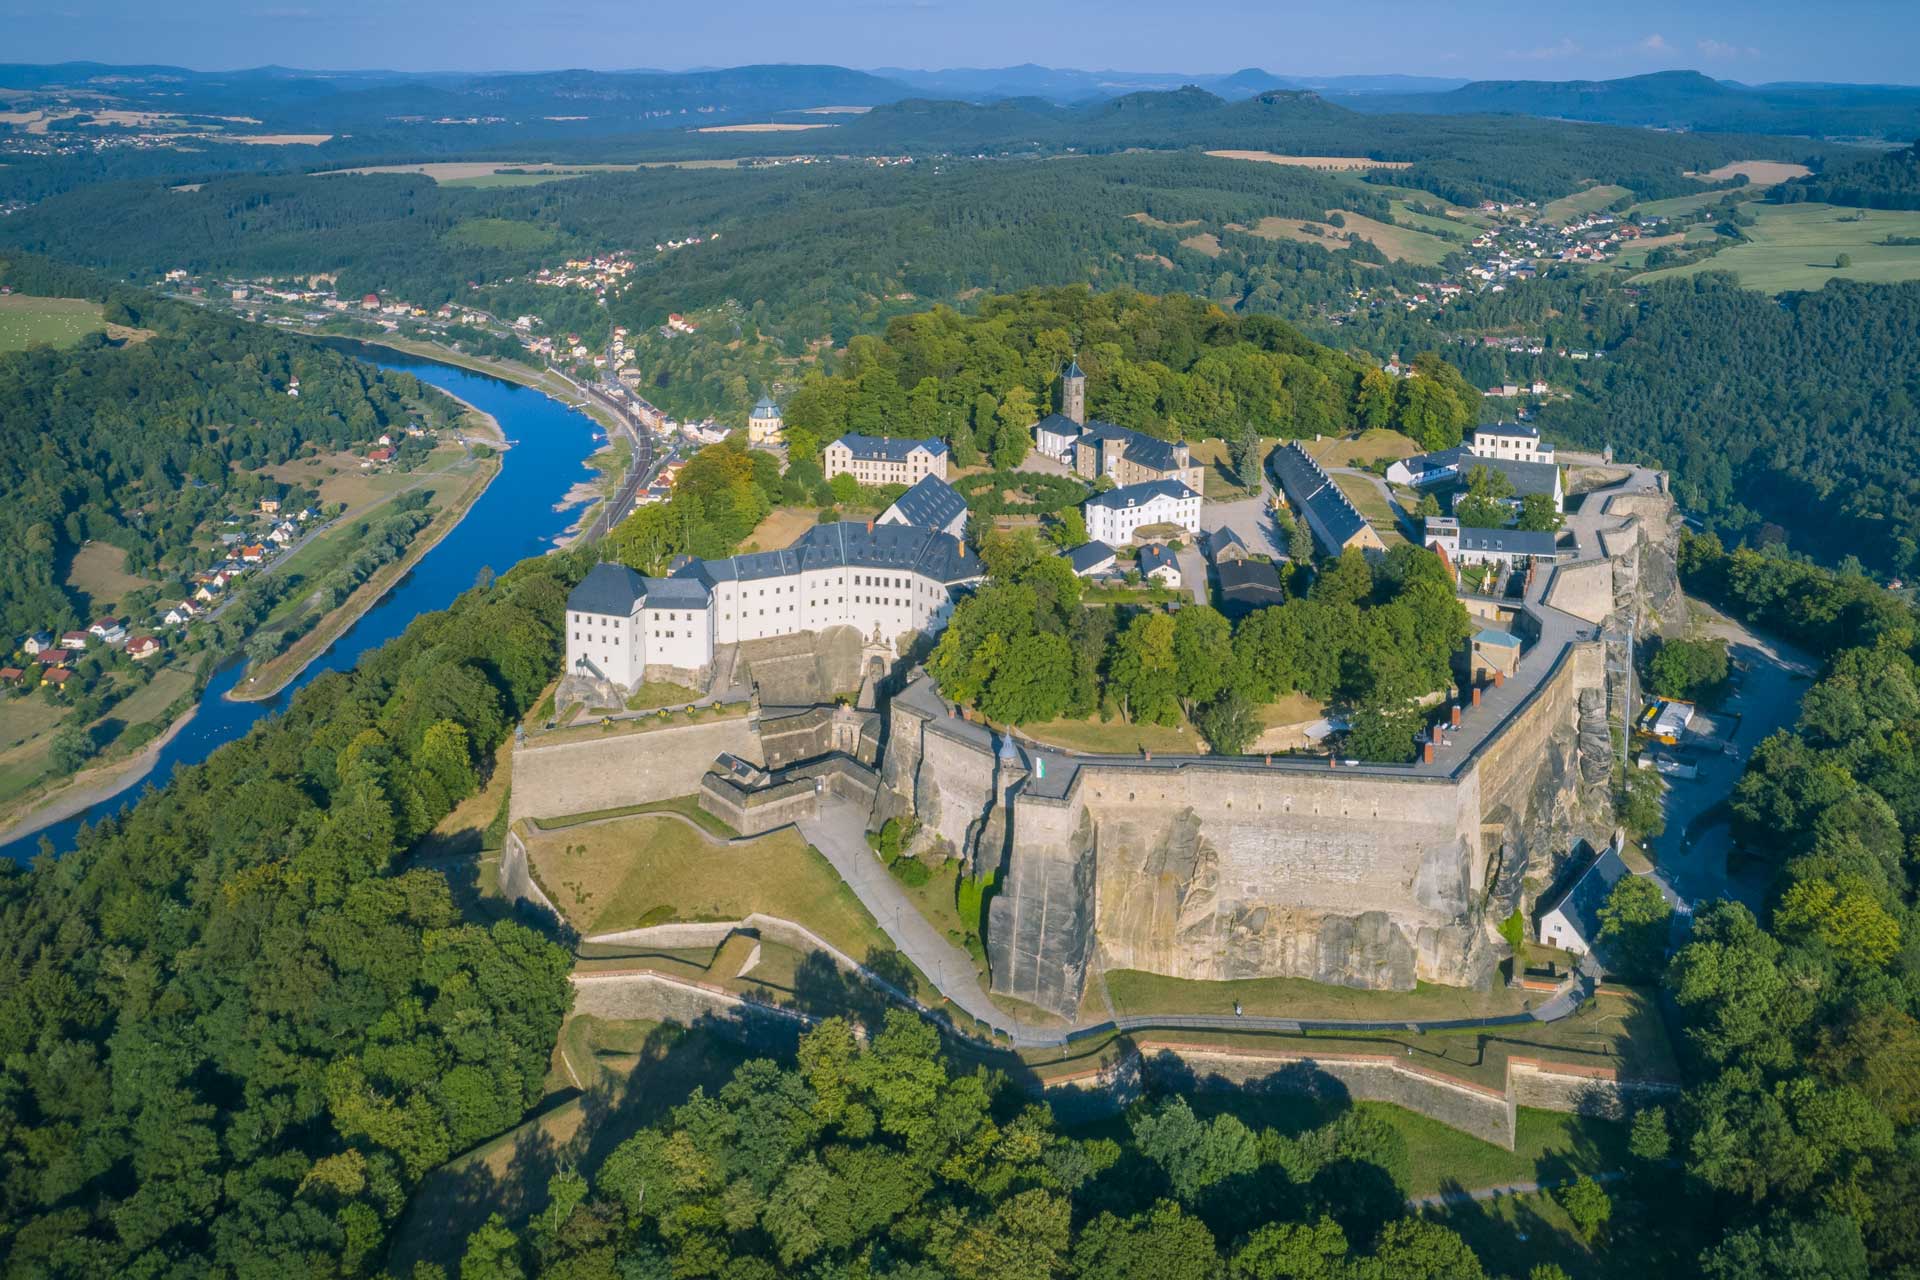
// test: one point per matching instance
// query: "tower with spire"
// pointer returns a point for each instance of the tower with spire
(1073, 393)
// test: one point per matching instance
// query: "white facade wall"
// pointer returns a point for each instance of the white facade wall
(613, 644)
(678, 637)
(838, 459)
(1512, 447)
(1115, 526)
(1057, 447)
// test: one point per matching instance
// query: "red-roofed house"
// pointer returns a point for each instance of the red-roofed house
(142, 647)
(58, 676)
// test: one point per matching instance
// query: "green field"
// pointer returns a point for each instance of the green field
(500, 233)
(1794, 247)
(1678, 206)
(60, 322)
(1587, 201)
(508, 179)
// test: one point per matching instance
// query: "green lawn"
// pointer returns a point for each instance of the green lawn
(60, 322)
(686, 806)
(485, 180)
(1116, 737)
(660, 693)
(1134, 992)
(1794, 247)
(620, 874)
(1590, 200)
(1677, 206)
(1371, 445)
(1655, 1232)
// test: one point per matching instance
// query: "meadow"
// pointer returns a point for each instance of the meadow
(27, 321)
(1796, 246)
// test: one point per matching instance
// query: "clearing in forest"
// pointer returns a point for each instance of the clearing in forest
(764, 127)
(1760, 173)
(1332, 163)
(1590, 200)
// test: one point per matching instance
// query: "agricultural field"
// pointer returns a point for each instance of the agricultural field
(59, 322)
(99, 572)
(1590, 200)
(1796, 246)
(1759, 173)
(1329, 163)
(508, 179)
(1403, 244)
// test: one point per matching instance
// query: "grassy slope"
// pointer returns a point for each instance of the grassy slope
(1794, 247)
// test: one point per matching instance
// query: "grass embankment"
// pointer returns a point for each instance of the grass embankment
(661, 693)
(646, 870)
(29, 724)
(1372, 445)
(1366, 497)
(1219, 480)
(1134, 993)
(590, 727)
(686, 806)
(1116, 737)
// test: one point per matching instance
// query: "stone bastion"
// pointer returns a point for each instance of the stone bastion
(1239, 867)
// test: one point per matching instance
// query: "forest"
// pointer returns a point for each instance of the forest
(235, 1027)
(1172, 366)
(1888, 180)
(1802, 1126)
(1795, 418)
(140, 444)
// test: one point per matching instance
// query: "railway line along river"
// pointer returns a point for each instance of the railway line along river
(519, 515)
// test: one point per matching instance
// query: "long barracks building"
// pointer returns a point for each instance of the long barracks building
(884, 580)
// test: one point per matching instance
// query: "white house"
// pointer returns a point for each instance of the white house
(876, 460)
(1114, 516)
(1157, 564)
(1571, 921)
(883, 580)
(1514, 548)
(1511, 441)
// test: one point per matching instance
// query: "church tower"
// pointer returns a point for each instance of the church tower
(1073, 393)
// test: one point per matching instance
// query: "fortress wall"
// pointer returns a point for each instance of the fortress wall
(551, 781)
(1584, 590)
(1583, 1091)
(952, 789)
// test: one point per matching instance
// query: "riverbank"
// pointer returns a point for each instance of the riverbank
(90, 786)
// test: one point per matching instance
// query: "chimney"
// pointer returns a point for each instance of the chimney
(1476, 695)
(1499, 678)
(869, 525)
(1149, 756)
(1455, 715)
(1426, 752)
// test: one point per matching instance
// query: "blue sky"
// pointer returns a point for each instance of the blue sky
(1853, 40)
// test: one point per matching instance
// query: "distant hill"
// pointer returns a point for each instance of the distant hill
(1068, 85)
(1677, 100)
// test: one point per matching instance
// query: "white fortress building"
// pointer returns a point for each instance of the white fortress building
(884, 580)
(1115, 516)
(1510, 442)
(877, 460)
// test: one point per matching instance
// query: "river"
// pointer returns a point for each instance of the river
(515, 518)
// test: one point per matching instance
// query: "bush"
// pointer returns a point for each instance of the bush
(910, 871)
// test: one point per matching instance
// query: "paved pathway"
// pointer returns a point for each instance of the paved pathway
(839, 832)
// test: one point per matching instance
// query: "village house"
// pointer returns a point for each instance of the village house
(108, 631)
(269, 506)
(1571, 919)
(878, 460)
(1091, 560)
(38, 642)
(1157, 564)
(73, 641)
(142, 647)
(58, 676)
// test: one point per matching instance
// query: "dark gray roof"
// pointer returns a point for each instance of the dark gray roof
(1249, 584)
(850, 544)
(765, 407)
(1583, 898)
(1527, 477)
(889, 448)
(1073, 370)
(1525, 429)
(1154, 556)
(930, 502)
(1145, 450)
(1059, 424)
(1136, 495)
(607, 588)
(1223, 538)
(1332, 519)
(1513, 542)
(684, 592)
(1422, 464)
(1089, 556)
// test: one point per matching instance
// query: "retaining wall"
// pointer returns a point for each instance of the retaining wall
(553, 780)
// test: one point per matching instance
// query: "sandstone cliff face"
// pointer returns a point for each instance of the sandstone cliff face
(1647, 585)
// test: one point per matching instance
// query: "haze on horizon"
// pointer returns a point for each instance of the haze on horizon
(1856, 41)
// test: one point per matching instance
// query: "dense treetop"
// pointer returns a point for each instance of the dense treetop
(233, 1032)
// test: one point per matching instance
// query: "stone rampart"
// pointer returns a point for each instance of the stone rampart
(552, 780)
